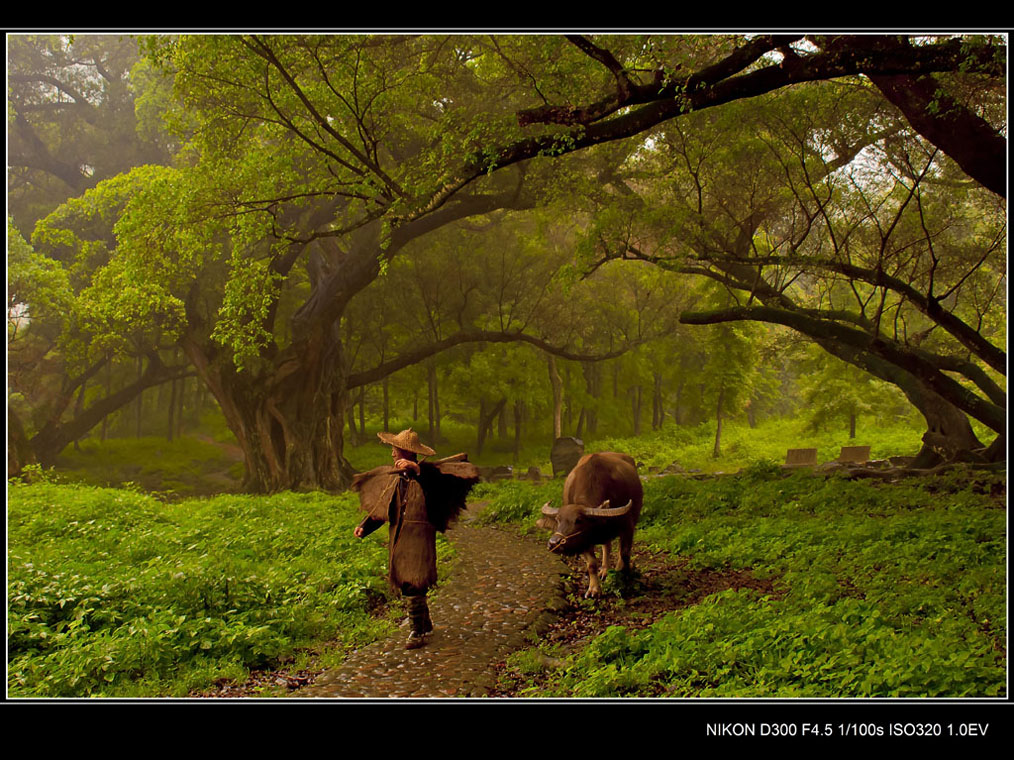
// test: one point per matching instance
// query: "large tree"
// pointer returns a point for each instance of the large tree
(76, 117)
(858, 235)
(316, 160)
(71, 119)
(72, 362)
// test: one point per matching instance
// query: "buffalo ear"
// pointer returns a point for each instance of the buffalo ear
(548, 510)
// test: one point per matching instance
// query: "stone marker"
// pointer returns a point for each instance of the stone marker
(801, 458)
(854, 454)
(503, 472)
(565, 454)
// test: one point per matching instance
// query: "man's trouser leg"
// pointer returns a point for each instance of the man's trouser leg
(419, 618)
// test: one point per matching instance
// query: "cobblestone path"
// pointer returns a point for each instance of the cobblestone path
(501, 588)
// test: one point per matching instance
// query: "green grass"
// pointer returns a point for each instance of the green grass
(691, 447)
(186, 466)
(194, 466)
(114, 593)
(881, 591)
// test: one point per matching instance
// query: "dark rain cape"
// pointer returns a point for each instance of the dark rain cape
(416, 507)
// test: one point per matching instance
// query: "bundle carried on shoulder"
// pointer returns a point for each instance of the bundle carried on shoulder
(446, 483)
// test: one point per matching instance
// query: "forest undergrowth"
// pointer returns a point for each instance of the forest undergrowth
(757, 584)
(769, 584)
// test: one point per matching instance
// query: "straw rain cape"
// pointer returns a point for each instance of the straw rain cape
(415, 508)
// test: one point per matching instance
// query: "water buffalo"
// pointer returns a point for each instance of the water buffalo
(588, 516)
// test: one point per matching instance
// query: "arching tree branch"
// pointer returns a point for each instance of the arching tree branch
(993, 415)
(416, 355)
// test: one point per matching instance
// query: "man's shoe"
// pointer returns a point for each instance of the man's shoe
(416, 640)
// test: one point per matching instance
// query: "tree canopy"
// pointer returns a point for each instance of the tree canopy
(339, 208)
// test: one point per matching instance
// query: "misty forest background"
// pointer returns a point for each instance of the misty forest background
(233, 259)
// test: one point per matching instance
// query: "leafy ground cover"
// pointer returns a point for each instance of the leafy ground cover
(112, 592)
(764, 585)
(757, 584)
(187, 466)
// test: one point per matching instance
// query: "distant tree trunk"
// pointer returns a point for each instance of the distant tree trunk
(557, 383)
(678, 412)
(436, 406)
(78, 406)
(351, 416)
(362, 412)
(569, 404)
(751, 413)
(434, 403)
(202, 400)
(480, 428)
(19, 450)
(518, 412)
(580, 423)
(593, 384)
(172, 412)
(487, 414)
(657, 410)
(501, 423)
(180, 408)
(852, 424)
(718, 427)
(140, 397)
(635, 399)
(387, 405)
(109, 390)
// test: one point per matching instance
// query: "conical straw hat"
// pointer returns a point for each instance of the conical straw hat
(406, 440)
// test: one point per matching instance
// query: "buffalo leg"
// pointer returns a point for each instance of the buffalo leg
(594, 588)
(606, 552)
(626, 544)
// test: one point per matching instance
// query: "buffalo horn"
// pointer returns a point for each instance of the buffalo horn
(603, 510)
(548, 510)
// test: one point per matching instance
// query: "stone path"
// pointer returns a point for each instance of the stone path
(501, 589)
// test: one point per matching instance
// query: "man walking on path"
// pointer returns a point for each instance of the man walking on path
(416, 499)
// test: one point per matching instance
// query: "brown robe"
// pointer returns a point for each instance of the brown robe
(416, 507)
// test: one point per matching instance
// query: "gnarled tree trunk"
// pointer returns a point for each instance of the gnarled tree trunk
(289, 418)
(19, 450)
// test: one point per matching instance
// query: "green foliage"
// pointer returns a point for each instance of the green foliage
(183, 467)
(739, 644)
(121, 291)
(743, 446)
(39, 288)
(249, 295)
(515, 501)
(114, 593)
(833, 391)
(878, 591)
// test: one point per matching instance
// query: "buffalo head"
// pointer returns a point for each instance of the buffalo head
(578, 528)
